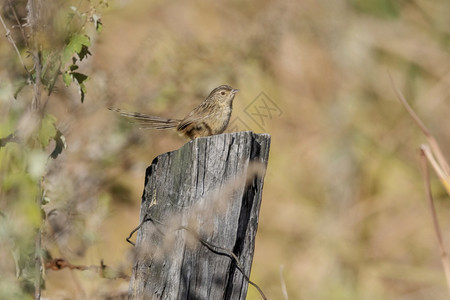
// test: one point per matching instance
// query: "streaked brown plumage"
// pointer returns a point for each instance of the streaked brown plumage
(209, 118)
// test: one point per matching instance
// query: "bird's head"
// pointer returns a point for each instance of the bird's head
(223, 94)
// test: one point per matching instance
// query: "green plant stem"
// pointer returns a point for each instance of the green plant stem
(33, 17)
(38, 247)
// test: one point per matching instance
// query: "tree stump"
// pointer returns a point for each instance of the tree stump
(200, 208)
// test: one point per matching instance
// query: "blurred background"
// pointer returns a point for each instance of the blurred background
(344, 213)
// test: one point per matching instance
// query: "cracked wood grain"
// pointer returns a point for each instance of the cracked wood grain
(212, 186)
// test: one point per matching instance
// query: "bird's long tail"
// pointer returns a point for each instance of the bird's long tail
(148, 121)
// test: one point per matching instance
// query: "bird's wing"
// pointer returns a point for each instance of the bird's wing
(200, 113)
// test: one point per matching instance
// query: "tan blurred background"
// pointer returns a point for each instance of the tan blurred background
(344, 213)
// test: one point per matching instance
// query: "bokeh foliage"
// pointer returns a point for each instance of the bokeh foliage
(40, 53)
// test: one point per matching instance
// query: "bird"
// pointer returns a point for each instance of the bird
(210, 117)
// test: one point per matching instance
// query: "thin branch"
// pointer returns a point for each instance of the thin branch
(433, 143)
(11, 138)
(11, 40)
(103, 270)
(33, 7)
(19, 24)
(33, 10)
(145, 219)
(283, 284)
(437, 229)
(38, 247)
(52, 85)
(429, 155)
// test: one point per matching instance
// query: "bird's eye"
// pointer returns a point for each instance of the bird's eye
(223, 93)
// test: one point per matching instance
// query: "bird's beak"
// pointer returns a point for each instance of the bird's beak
(234, 91)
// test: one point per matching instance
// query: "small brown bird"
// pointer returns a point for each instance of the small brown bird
(209, 118)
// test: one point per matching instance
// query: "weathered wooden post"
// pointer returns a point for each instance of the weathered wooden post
(199, 216)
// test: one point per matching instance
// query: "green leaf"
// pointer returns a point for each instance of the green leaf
(99, 27)
(45, 200)
(80, 79)
(60, 144)
(97, 23)
(75, 46)
(67, 78)
(82, 91)
(84, 52)
(47, 130)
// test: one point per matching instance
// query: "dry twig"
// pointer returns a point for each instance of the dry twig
(437, 228)
(433, 154)
(103, 270)
(13, 43)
